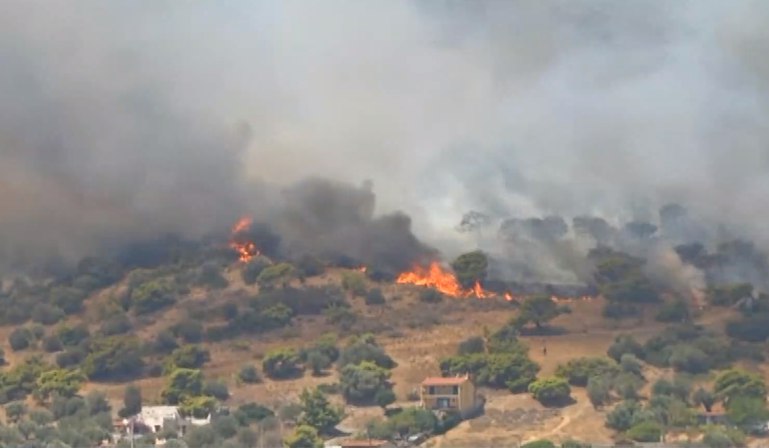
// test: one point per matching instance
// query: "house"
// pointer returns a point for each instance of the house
(449, 394)
(369, 443)
(157, 418)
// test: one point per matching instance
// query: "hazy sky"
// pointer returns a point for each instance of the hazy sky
(127, 118)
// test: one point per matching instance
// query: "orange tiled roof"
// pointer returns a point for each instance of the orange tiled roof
(445, 381)
(373, 443)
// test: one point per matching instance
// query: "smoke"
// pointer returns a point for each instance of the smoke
(123, 120)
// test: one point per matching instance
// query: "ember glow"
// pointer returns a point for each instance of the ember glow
(444, 281)
(246, 249)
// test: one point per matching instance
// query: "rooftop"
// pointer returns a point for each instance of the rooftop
(373, 443)
(445, 381)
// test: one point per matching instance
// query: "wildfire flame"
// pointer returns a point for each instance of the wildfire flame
(362, 269)
(509, 297)
(444, 281)
(246, 249)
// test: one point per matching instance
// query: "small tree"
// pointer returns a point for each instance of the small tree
(318, 362)
(304, 436)
(182, 383)
(282, 363)
(20, 339)
(384, 398)
(318, 412)
(470, 268)
(538, 310)
(249, 375)
(550, 391)
(705, 398)
(622, 417)
(362, 382)
(646, 431)
(354, 283)
(375, 297)
(598, 389)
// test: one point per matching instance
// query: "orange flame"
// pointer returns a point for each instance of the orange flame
(508, 297)
(362, 269)
(246, 249)
(444, 281)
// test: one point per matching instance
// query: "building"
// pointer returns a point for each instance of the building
(158, 418)
(369, 443)
(449, 394)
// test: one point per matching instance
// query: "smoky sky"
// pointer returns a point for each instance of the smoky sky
(125, 119)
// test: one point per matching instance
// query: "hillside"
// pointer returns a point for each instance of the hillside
(219, 317)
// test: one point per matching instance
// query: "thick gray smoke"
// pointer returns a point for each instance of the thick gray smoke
(125, 119)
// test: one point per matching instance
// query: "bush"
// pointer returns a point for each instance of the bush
(216, 389)
(188, 357)
(354, 282)
(52, 344)
(164, 342)
(646, 431)
(210, 275)
(675, 311)
(539, 444)
(722, 437)
(190, 330)
(598, 391)
(152, 296)
(72, 336)
(375, 297)
(574, 444)
(499, 370)
(115, 325)
(362, 382)
(251, 413)
(430, 295)
(249, 375)
(20, 338)
(470, 268)
(252, 269)
(113, 358)
(317, 412)
(623, 415)
(471, 345)
(685, 358)
(579, 371)
(46, 314)
(365, 348)
(625, 344)
(274, 274)
(631, 364)
(70, 357)
(750, 329)
(341, 316)
(616, 310)
(282, 363)
(309, 266)
(68, 299)
(550, 391)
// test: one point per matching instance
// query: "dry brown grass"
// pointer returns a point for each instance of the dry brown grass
(417, 335)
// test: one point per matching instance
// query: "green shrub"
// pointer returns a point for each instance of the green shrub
(249, 375)
(190, 330)
(579, 371)
(46, 314)
(375, 297)
(188, 357)
(675, 311)
(361, 383)
(282, 363)
(21, 338)
(430, 295)
(152, 296)
(646, 431)
(539, 444)
(625, 344)
(354, 282)
(253, 268)
(274, 274)
(550, 391)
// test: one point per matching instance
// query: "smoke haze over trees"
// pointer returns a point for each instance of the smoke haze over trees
(563, 124)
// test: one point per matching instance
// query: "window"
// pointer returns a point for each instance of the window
(455, 390)
(431, 390)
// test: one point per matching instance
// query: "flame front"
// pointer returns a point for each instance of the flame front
(246, 249)
(444, 281)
